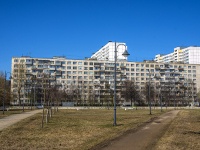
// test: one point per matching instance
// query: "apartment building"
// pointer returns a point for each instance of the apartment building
(188, 55)
(107, 52)
(94, 79)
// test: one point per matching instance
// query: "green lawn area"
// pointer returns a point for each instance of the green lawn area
(72, 129)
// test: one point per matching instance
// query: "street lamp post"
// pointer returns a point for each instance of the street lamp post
(125, 54)
(149, 98)
(4, 93)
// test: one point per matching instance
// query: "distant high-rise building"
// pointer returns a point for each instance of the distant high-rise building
(188, 55)
(107, 52)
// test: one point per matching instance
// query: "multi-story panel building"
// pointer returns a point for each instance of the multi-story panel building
(107, 52)
(92, 80)
(189, 55)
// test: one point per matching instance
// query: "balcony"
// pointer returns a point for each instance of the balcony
(180, 68)
(29, 62)
(157, 67)
(181, 77)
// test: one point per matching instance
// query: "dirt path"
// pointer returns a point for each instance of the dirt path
(12, 119)
(145, 137)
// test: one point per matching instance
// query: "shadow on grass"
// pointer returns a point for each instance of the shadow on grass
(191, 132)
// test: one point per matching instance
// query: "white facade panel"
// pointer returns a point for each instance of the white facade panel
(107, 52)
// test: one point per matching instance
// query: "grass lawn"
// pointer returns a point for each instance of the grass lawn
(72, 129)
(183, 133)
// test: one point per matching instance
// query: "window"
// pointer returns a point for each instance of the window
(85, 63)
(193, 67)
(91, 63)
(74, 63)
(68, 67)
(69, 62)
(28, 60)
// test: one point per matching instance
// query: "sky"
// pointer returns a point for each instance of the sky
(78, 28)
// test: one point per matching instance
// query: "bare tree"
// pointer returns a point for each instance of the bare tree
(130, 92)
(5, 92)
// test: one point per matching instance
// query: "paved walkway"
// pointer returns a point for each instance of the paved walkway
(145, 137)
(12, 119)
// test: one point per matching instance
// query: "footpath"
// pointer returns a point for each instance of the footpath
(12, 119)
(144, 137)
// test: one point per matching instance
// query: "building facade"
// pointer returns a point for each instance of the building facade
(107, 52)
(188, 55)
(92, 80)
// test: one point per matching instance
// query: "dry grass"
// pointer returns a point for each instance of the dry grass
(72, 129)
(183, 133)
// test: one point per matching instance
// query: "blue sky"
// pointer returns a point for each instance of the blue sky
(77, 28)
